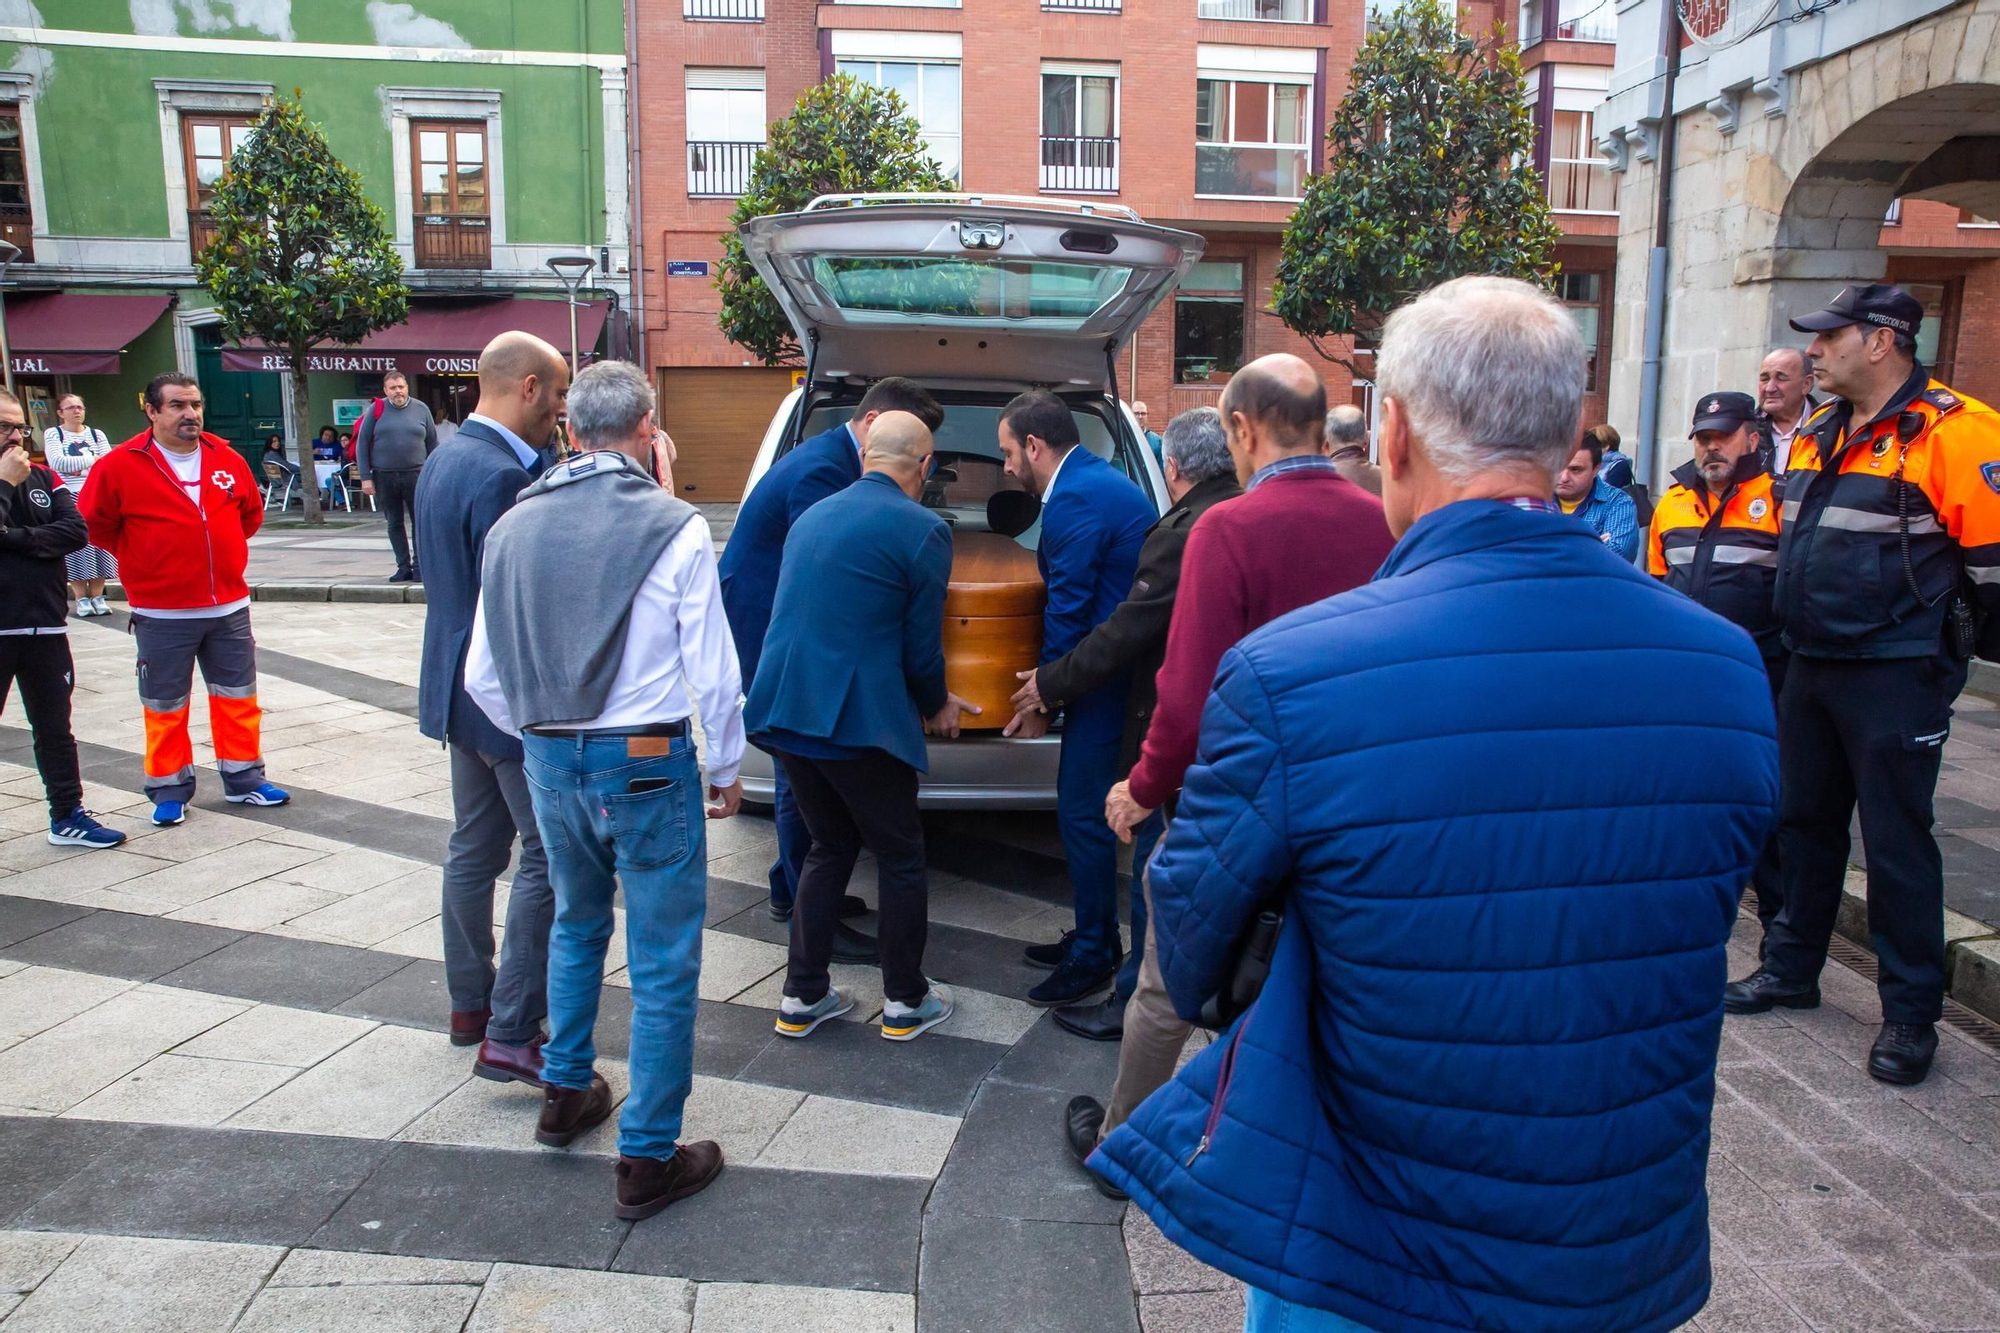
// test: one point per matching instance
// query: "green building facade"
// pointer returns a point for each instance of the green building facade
(492, 134)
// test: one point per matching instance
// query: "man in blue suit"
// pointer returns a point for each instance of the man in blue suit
(853, 667)
(819, 467)
(1094, 521)
(467, 484)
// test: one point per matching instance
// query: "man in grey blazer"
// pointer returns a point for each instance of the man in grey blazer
(465, 487)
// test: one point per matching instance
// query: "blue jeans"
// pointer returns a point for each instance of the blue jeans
(1084, 774)
(1144, 839)
(794, 840)
(1268, 1314)
(600, 834)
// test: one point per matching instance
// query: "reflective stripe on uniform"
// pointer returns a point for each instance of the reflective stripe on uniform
(164, 705)
(232, 691)
(1746, 555)
(1791, 510)
(1861, 520)
(1679, 555)
(1983, 573)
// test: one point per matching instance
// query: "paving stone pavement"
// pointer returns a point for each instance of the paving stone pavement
(225, 1102)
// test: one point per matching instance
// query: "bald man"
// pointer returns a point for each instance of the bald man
(1300, 532)
(466, 485)
(1784, 396)
(862, 585)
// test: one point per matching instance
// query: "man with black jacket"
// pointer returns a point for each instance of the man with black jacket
(39, 525)
(1133, 642)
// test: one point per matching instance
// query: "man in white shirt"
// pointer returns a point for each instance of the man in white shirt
(1784, 392)
(596, 653)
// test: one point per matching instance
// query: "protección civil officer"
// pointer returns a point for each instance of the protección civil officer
(1888, 583)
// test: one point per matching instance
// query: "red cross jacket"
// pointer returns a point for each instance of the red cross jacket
(172, 555)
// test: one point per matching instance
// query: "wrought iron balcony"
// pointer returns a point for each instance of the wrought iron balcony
(1088, 6)
(720, 169)
(729, 11)
(1074, 164)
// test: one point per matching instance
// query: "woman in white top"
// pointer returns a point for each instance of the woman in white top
(71, 448)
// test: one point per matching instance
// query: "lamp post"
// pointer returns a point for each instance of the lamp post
(9, 252)
(571, 269)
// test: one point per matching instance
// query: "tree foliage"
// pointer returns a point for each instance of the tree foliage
(1428, 179)
(843, 137)
(301, 258)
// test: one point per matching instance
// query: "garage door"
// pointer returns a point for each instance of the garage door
(718, 416)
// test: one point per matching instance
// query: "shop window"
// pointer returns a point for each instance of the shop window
(1209, 310)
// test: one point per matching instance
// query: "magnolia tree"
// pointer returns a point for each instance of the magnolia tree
(844, 137)
(300, 258)
(1428, 178)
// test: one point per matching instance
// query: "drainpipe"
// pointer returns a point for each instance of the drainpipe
(635, 243)
(1656, 260)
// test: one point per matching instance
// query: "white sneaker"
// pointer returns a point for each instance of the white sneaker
(907, 1022)
(97, 605)
(798, 1019)
(84, 608)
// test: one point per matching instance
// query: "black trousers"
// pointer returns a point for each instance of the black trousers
(42, 664)
(1870, 732)
(1765, 876)
(869, 801)
(396, 489)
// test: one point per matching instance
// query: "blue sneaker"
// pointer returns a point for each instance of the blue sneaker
(168, 813)
(797, 1018)
(264, 795)
(907, 1022)
(80, 830)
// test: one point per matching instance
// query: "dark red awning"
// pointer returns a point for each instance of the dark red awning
(439, 338)
(67, 333)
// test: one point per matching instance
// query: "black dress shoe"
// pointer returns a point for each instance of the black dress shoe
(851, 946)
(1047, 956)
(1104, 1021)
(1073, 981)
(851, 906)
(1082, 1119)
(1903, 1053)
(1764, 990)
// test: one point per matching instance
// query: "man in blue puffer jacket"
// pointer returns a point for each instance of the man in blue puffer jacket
(1475, 1090)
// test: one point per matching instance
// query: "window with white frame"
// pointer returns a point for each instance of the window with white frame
(1252, 122)
(725, 128)
(1376, 12)
(1579, 180)
(1079, 127)
(929, 88)
(1575, 21)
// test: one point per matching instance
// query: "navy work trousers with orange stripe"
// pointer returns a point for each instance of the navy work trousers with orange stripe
(1869, 732)
(168, 651)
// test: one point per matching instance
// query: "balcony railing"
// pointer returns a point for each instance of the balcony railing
(1091, 6)
(720, 169)
(17, 228)
(1074, 164)
(201, 230)
(729, 11)
(1274, 11)
(1574, 21)
(454, 240)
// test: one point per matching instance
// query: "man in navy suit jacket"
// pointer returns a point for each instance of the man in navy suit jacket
(1094, 521)
(817, 468)
(467, 484)
(854, 664)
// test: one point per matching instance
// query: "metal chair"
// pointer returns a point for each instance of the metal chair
(274, 473)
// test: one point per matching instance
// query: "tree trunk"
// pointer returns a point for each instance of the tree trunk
(304, 435)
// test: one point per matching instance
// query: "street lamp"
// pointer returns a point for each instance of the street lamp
(9, 252)
(571, 269)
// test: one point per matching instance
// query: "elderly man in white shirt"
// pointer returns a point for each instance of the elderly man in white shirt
(597, 652)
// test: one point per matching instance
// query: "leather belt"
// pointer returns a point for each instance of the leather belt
(675, 730)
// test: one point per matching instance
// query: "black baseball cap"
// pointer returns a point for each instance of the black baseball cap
(1722, 411)
(1877, 304)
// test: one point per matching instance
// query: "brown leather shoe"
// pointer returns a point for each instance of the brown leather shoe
(647, 1184)
(505, 1063)
(468, 1026)
(568, 1112)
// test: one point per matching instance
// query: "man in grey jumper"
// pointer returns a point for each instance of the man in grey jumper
(389, 452)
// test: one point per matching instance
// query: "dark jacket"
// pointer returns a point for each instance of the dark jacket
(39, 525)
(855, 652)
(1133, 641)
(817, 468)
(463, 490)
(1092, 528)
(1475, 1091)
(1724, 555)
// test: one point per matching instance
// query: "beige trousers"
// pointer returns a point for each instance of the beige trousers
(1154, 1033)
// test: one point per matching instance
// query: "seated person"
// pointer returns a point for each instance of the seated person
(326, 448)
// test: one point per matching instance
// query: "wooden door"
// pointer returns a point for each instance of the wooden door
(718, 416)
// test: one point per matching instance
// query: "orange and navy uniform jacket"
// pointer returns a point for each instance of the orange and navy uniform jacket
(1930, 459)
(172, 556)
(1724, 555)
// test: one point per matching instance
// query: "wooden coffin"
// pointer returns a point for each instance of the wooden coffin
(992, 623)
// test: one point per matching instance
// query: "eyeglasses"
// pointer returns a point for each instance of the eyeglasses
(8, 428)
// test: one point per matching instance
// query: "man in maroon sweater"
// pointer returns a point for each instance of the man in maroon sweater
(1299, 533)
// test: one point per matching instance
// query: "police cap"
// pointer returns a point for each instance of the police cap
(1722, 411)
(1877, 304)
